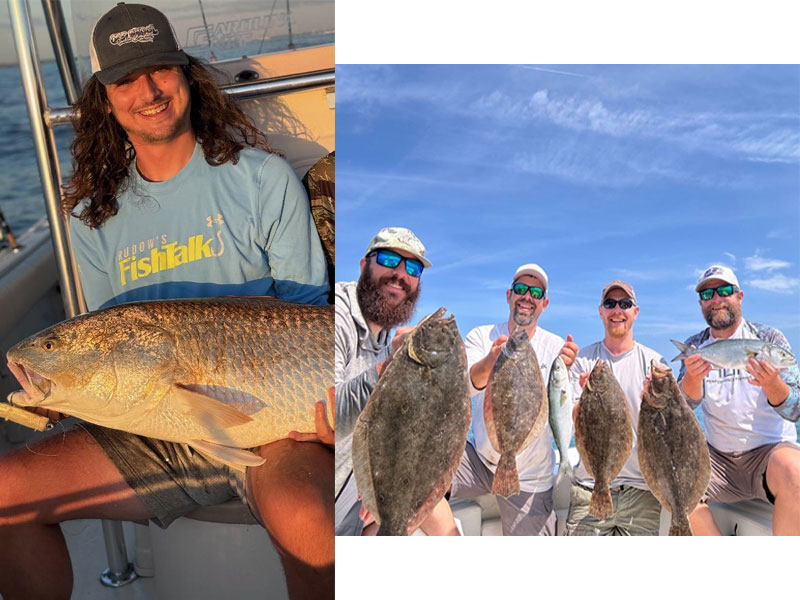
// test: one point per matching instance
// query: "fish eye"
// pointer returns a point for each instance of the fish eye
(49, 345)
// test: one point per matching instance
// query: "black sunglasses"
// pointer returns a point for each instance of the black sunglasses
(723, 291)
(624, 303)
(520, 289)
(390, 260)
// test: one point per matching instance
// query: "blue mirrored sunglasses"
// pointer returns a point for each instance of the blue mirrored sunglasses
(390, 260)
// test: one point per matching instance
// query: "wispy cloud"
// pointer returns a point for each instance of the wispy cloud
(777, 283)
(762, 263)
(730, 256)
(555, 71)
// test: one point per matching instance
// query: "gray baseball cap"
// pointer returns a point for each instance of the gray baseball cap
(130, 37)
(533, 270)
(400, 238)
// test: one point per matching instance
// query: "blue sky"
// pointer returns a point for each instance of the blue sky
(642, 173)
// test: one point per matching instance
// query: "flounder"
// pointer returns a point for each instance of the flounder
(673, 453)
(514, 408)
(603, 435)
(409, 439)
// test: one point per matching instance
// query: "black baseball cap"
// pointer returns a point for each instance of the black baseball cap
(132, 36)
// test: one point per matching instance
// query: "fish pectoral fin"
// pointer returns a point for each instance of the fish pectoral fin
(209, 411)
(233, 457)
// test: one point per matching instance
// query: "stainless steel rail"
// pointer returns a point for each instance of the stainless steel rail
(120, 570)
(65, 115)
(62, 49)
(45, 146)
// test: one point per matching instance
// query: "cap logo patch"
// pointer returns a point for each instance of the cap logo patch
(712, 271)
(137, 35)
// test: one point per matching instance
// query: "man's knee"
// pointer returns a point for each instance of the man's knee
(292, 493)
(783, 472)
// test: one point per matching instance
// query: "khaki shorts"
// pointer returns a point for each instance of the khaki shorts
(741, 475)
(636, 512)
(526, 513)
(170, 479)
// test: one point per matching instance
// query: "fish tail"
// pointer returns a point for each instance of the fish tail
(600, 505)
(506, 478)
(680, 525)
(387, 528)
(565, 469)
(682, 347)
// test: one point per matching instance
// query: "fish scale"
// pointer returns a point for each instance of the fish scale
(146, 355)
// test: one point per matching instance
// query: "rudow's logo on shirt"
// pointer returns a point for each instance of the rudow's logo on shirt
(169, 256)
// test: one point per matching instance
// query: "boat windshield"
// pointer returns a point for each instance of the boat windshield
(218, 30)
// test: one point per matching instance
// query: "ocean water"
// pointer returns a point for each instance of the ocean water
(21, 199)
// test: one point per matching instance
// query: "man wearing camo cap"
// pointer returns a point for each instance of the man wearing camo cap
(366, 311)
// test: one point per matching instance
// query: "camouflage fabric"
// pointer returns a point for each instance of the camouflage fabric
(319, 182)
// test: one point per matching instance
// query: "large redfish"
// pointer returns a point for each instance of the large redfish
(219, 374)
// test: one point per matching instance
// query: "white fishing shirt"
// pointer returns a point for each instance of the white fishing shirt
(535, 464)
(630, 369)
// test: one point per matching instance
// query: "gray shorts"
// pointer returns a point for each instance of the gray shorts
(636, 512)
(741, 475)
(169, 478)
(526, 513)
(346, 510)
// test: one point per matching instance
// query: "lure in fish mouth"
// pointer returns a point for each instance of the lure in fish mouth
(36, 386)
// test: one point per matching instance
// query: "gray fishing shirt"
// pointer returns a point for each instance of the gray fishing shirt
(357, 353)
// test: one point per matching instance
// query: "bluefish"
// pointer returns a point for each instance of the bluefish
(734, 354)
(559, 395)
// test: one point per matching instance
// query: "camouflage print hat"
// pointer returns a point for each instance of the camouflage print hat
(400, 238)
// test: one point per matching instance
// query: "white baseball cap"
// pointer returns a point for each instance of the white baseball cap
(533, 270)
(717, 272)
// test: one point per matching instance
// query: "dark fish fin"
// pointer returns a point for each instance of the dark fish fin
(506, 478)
(209, 411)
(600, 505)
(682, 347)
(233, 457)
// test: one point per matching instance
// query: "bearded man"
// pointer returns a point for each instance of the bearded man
(748, 414)
(366, 311)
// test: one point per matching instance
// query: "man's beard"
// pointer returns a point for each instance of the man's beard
(524, 320)
(374, 306)
(727, 319)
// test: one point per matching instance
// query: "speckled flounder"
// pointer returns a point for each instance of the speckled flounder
(409, 439)
(514, 408)
(603, 435)
(219, 374)
(673, 454)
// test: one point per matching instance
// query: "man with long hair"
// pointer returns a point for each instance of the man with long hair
(174, 194)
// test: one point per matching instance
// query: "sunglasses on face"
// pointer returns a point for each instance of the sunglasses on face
(624, 303)
(723, 291)
(390, 260)
(520, 289)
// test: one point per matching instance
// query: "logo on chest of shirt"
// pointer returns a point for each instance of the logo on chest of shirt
(168, 256)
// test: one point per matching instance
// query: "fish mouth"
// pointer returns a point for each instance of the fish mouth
(36, 386)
